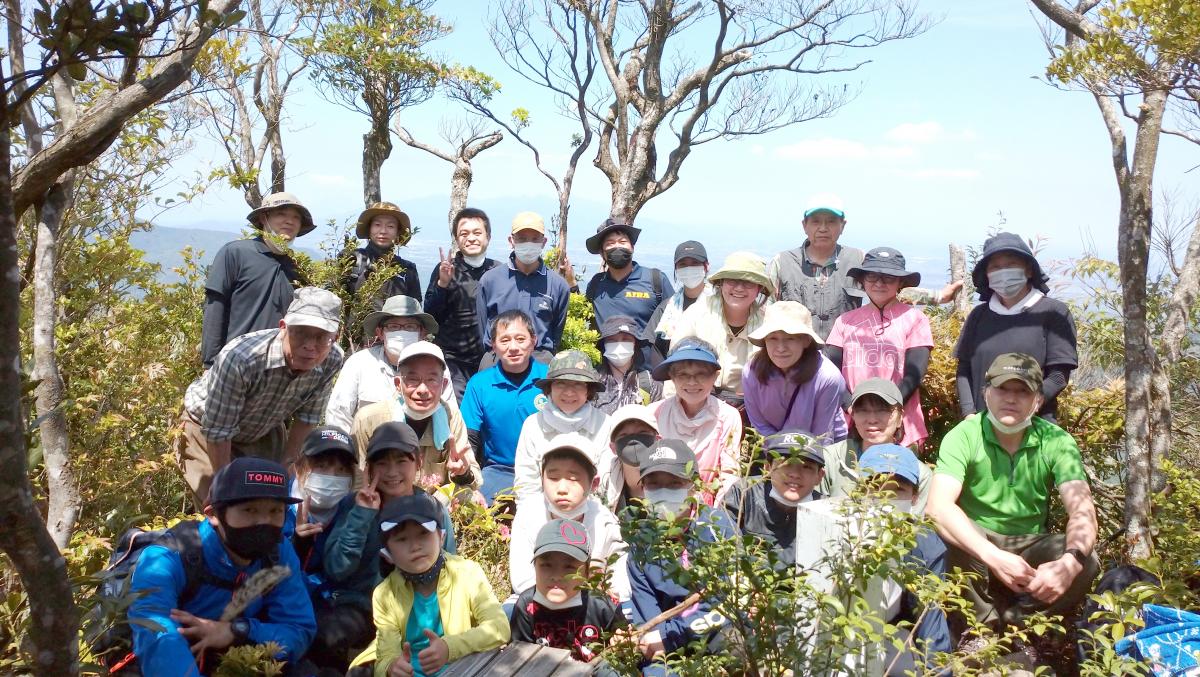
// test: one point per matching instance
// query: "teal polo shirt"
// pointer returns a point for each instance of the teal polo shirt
(497, 408)
(1009, 493)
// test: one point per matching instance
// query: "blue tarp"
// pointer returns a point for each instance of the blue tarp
(1170, 642)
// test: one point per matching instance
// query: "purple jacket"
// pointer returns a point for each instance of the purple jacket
(817, 409)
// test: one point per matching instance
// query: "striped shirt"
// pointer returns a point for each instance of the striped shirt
(250, 390)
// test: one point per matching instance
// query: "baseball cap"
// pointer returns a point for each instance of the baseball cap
(891, 459)
(1018, 366)
(674, 457)
(691, 250)
(575, 445)
(247, 478)
(419, 348)
(417, 507)
(827, 202)
(795, 446)
(528, 221)
(618, 324)
(314, 307)
(325, 439)
(566, 536)
(879, 387)
(688, 348)
(392, 435)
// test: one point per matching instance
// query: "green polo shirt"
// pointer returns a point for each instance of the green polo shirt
(1008, 493)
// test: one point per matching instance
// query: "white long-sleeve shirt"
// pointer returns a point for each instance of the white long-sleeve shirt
(603, 529)
(538, 437)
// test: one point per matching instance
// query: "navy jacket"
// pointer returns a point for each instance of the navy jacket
(454, 309)
(543, 295)
(653, 592)
(930, 555)
(284, 615)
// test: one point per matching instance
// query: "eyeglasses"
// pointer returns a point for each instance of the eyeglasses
(690, 376)
(739, 283)
(402, 326)
(880, 278)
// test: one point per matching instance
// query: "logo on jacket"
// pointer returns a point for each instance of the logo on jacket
(540, 401)
(637, 294)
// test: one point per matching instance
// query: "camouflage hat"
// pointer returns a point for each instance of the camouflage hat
(276, 201)
(363, 227)
(571, 365)
(1018, 366)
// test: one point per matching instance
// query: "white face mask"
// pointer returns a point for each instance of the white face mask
(1007, 282)
(619, 353)
(417, 415)
(396, 341)
(553, 509)
(324, 491)
(667, 503)
(1009, 429)
(690, 276)
(528, 252)
(475, 261)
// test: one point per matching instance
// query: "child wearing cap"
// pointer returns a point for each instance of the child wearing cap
(352, 547)
(556, 610)
(634, 429)
(568, 480)
(790, 384)
(712, 428)
(894, 471)
(886, 338)
(325, 474)
(175, 629)
(668, 477)
(766, 506)
(434, 607)
(570, 384)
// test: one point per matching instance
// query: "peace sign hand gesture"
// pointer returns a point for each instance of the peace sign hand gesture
(368, 497)
(445, 269)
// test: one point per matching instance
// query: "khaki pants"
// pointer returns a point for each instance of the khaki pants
(191, 454)
(994, 602)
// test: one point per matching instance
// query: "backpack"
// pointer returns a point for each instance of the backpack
(112, 643)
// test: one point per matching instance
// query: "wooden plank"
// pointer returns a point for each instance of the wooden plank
(547, 662)
(473, 664)
(512, 659)
(574, 668)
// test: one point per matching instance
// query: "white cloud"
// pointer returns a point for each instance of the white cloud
(915, 132)
(841, 149)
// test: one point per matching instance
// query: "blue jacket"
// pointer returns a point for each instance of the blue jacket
(543, 295)
(653, 592)
(284, 615)
(351, 554)
(929, 554)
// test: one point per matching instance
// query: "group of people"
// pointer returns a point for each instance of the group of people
(347, 469)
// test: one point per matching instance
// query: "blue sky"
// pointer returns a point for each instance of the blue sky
(951, 128)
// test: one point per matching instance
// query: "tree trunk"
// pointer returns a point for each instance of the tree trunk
(63, 490)
(958, 272)
(278, 159)
(53, 623)
(460, 186)
(377, 146)
(1133, 251)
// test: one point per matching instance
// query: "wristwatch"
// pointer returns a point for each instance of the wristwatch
(1077, 554)
(240, 627)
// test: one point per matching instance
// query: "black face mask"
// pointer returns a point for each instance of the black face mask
(618, 257)
(631, 448)
(253, 542)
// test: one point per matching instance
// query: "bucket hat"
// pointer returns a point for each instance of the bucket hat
(885, 261)
(789, 317)
(277, 200)
(571, 365)
(746, 266)
(363, 229)
(1013, 244)
(595, 242)
(399, 306)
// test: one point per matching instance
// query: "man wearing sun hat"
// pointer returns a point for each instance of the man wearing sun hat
(527, 285)
(623, 288)
(369, 376)
(259, 382)
(990, 499)
(250, 282)
(386, 228)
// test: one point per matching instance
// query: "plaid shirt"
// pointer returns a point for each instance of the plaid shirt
(250, 390)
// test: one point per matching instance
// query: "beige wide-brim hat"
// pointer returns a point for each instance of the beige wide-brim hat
(399, 306)
(746, 266)
(363, 229)
(789, 317)
(277, 200)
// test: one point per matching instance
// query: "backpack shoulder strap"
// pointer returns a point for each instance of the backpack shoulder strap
(191, 552)
(656, 280)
